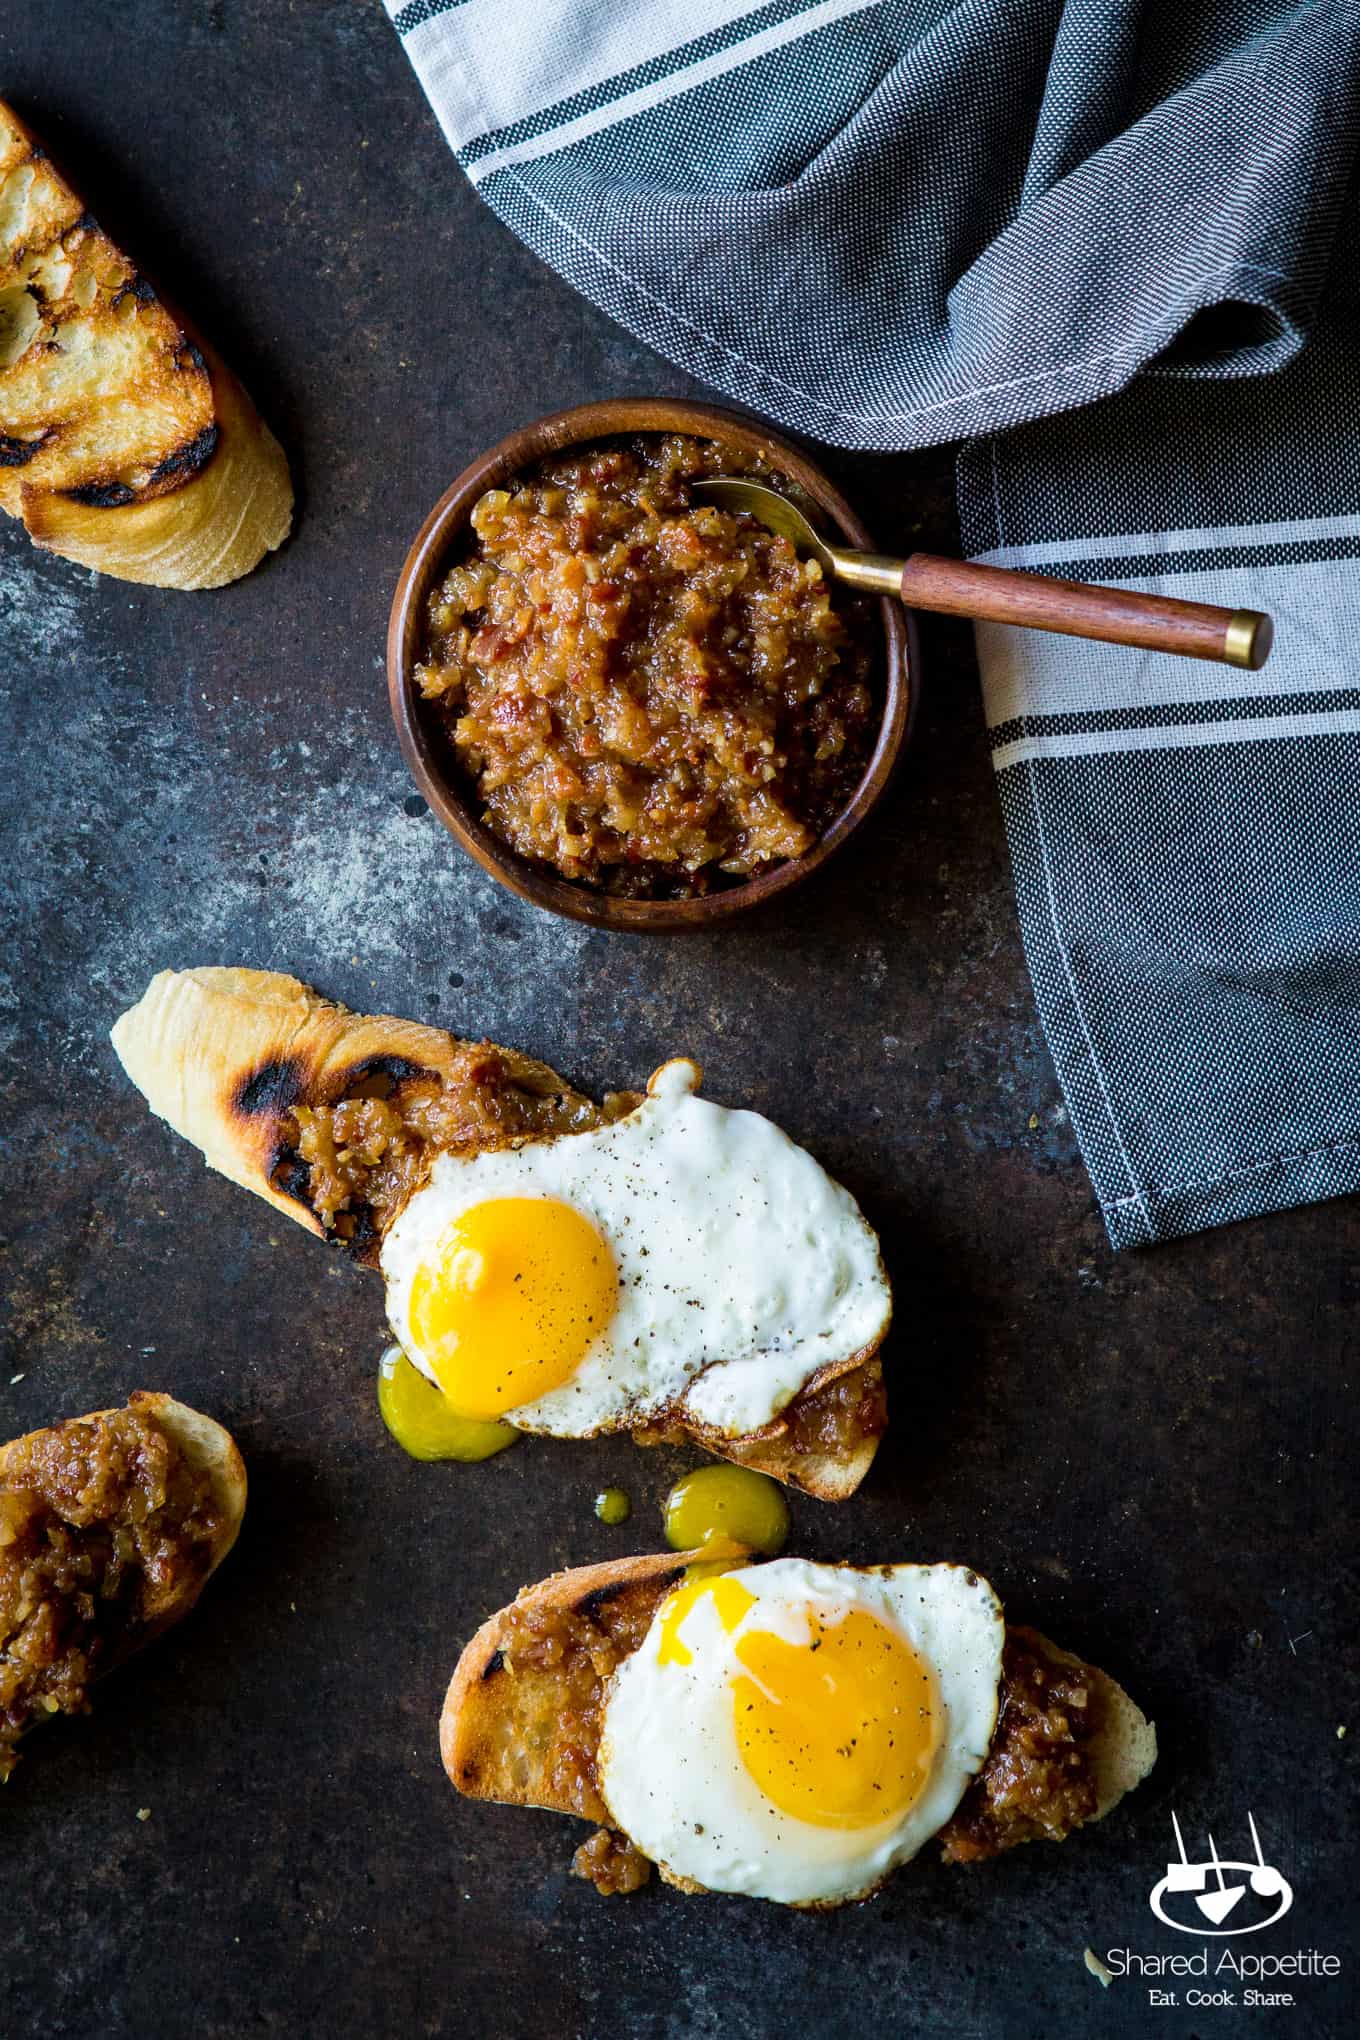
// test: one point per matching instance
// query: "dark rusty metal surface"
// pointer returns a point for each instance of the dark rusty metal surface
(1149, 1456)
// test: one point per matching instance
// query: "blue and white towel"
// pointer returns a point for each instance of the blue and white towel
(888, 223)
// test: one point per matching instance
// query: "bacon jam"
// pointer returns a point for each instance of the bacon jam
(652, 695)
(361, 1159)
(573, 1653)
(1037, 1782)
(105, 1529)
(611, 1863)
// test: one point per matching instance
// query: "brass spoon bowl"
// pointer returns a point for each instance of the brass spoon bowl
(1117, 616)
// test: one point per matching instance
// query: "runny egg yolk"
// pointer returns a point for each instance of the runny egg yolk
(840, 1731)
(726, 1501)
(510, 1305)
(422, 1421)
(730, 1599)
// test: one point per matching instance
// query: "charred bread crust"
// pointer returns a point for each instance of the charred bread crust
(125, 442)
(499, 1726)
(226, 1056)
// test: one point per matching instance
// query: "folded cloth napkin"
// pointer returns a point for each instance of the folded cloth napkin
(896, 222)
(889, 223)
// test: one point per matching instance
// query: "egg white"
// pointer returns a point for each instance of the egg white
(743, 1268)
(672, 1776)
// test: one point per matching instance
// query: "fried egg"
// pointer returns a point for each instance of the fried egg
(795, 1731)
(686, 1258)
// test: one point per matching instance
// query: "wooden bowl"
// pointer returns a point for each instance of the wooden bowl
(454, 799)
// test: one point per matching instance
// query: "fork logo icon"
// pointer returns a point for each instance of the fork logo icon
(1216, 1887)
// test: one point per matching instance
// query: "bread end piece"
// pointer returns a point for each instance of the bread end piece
(126, 443)
(214, 530)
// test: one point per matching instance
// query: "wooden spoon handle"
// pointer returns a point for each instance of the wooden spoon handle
(1159, 623)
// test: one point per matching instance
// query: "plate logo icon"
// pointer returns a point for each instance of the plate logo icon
(1208, 1893)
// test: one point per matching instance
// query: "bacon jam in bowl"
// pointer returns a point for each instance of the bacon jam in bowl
(634, 705)
(650, 694)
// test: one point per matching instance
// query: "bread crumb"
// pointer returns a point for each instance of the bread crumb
(14, 1379)
(143, 1813)
(1103, 1976)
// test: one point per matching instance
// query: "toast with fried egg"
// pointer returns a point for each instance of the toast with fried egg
(343, 1121)
(526, 1710)
(126, 444)
(111, 1525)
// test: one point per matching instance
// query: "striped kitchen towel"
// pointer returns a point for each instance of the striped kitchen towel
(890, 223)
(1186, 838)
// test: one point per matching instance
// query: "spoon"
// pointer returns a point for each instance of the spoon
(1116, 616)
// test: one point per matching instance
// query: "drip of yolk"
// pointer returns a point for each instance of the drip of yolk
(726, 1501)
(422, 1422)
(841, 1731)
(730, 1599)
(509, 1307)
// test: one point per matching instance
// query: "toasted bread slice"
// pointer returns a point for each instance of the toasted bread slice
(125, 442)
(250, 1065)
(506, 1728)
(227, 1057)
(522, 1717)
(210, 1450)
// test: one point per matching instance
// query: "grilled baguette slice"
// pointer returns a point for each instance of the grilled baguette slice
(504, 1723)
(209, 1449)
(228, 1057)
(510, 1730)
(125, 442)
